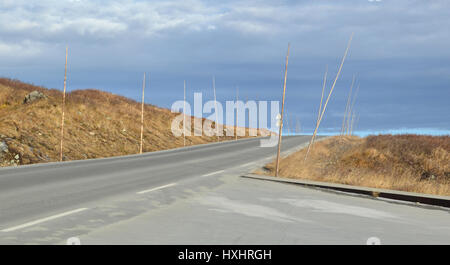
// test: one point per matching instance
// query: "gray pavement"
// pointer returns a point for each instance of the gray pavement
(195, 196)
(249, 211)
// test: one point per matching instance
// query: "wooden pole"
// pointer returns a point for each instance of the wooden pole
(237, 109)
(351, 124)
(349, 113)
(184, 115)
(323, 91)
(248, 117)
(353, 104)
(63, 105)
(345, 120)
(257, 125)
(282, 109)
(329, 95)
(215, 106)
(142, 116)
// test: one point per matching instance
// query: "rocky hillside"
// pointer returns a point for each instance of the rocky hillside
(97, 124)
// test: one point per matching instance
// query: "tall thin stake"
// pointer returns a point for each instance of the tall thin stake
(345, 120)
(215, 108)
(63, 105)
(323, 91)
(282, 110)
(237, 109)
(352, 105)
(351, 124)
(329, 95)
(248, 117)
(184, 115)
(142, 116)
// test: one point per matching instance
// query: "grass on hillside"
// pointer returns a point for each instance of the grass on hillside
(413, 163)
(97, 124)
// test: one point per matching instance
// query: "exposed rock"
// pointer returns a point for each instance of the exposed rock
(425, 175)
(3, 147)
(33, 96)
(3, 150)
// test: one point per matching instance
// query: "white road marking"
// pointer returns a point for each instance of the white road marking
(43, 220)
(248, 164)
(157, 188)
(213, 173)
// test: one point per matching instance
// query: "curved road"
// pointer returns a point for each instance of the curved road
(194, 195)
(32, 192)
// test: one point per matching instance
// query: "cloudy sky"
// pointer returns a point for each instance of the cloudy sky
(400, 53)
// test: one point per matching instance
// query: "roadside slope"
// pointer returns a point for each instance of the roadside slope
(413, 163)
(97, 124)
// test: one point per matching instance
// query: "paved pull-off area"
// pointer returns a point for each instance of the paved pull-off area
(195, 195)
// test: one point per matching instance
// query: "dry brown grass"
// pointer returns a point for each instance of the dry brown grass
(401, 162)
(97, 124)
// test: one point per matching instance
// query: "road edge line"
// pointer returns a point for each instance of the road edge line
(42, 220)
(213, 173)
(157, 188)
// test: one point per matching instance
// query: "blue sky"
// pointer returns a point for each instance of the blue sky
(399, 53)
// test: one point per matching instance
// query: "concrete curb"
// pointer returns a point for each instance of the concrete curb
(443, 201)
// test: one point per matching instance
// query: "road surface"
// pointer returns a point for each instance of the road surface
(194, 195)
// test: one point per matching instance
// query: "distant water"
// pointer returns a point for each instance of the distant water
(363, 133)
(420, 131)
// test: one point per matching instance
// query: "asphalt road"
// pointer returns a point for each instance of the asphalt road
(194, 195)
(34, 192)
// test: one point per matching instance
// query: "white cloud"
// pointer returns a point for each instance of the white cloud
(19, 50)
(405, 27)
(240, 40)
(88, 26)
